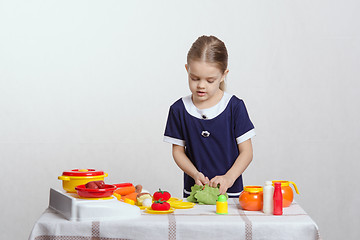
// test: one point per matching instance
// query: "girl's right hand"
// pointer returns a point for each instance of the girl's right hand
(200, 179)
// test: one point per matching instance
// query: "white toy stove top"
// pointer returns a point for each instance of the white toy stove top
(77, 209)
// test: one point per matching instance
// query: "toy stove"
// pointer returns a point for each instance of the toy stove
(74, 208)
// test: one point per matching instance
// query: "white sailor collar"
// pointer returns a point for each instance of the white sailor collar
(208, 113)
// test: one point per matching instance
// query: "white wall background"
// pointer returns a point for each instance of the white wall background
(89, 83)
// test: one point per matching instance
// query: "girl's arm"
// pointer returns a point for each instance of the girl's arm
(239, 166)
(187, 166)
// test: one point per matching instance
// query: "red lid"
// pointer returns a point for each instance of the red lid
(83, 172)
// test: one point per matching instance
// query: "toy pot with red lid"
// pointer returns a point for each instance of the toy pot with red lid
(287, 192)
(75, 177)
(251, 198)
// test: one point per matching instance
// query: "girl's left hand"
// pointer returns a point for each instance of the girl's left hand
(224, 181)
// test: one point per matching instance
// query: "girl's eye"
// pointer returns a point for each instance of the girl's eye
(195, 79)
(211, 81)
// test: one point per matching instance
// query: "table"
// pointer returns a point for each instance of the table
(200, 222)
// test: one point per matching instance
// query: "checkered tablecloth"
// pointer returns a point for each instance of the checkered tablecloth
(200, 222)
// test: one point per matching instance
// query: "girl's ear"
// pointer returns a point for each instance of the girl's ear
(225, 74)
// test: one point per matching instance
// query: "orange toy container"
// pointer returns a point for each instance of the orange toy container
(287, 192)
(251, 198)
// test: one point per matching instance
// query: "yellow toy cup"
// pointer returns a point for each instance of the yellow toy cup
(75, 177)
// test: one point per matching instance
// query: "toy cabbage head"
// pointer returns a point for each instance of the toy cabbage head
(204, 194)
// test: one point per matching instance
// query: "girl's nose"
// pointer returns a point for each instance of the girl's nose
(201, 84)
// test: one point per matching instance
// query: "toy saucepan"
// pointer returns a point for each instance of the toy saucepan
(76, 177)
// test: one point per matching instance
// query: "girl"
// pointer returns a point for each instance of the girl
(210, 130)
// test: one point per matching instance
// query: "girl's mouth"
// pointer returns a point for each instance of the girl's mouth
(200, 93)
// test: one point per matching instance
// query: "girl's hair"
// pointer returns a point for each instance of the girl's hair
(212, 50)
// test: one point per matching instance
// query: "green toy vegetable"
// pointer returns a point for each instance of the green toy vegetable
(204, 194)
(194, 190)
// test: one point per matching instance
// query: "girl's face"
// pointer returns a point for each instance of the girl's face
(204, 83)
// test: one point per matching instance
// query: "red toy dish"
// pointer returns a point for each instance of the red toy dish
(107, 191)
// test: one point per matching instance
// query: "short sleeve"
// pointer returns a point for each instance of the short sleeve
(244, 129)
(173, 130)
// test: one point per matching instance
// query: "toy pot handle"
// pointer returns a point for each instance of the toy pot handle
(64, 178)
(105, 175)
(296, 189)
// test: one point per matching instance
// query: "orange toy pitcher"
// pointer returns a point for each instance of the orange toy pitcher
(287, 192)
(251, 199)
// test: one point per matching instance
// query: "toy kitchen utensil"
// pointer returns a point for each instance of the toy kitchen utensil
(151, 211)
(75, 177)
(287, 192)
(181, 205)
(251, 198)
(77, 209)
(106, 191)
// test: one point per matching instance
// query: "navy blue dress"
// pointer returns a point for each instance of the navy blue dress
(210, 136)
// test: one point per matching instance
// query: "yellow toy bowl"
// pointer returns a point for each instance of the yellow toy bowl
(75, 177)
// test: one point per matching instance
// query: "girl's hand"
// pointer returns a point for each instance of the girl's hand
(200, 179)
(224, 181)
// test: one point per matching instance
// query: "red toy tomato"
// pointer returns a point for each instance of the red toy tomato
(163, 195)
(160, 206)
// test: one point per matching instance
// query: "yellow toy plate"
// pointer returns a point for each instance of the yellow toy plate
(142, 207)
(182, 205)
(149, 210)
(173, 199)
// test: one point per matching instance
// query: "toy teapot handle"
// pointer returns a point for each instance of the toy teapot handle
(296, 189)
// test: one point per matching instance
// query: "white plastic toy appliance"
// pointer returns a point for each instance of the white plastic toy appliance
(77, 209)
